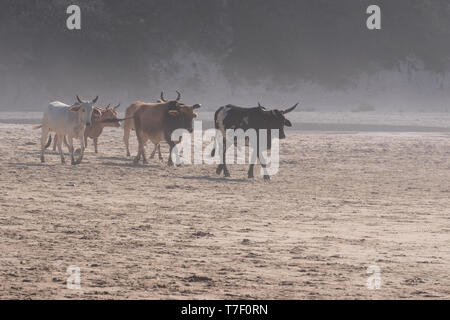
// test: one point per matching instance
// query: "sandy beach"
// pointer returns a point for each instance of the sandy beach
(341, 202)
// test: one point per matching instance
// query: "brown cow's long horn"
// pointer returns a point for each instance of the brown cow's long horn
(95, 100)
(179, 96)
(162, 97)
(290, 109)
(117, 106)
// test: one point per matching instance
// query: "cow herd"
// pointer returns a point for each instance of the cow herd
(151, 121)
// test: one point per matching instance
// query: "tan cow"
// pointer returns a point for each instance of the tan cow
(128, 125)
(157, 121)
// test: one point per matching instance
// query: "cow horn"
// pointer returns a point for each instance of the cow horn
(117, 106)
(109, 104)
(95, 100)
(79, 100)
(290, 109)
(178, 96)
(196, 106)
(259, 105)
(162, 97)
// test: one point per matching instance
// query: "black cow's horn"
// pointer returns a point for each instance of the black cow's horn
(179, 96)
(196, 106)
(259, 105)
(95, 100)
(162, 97)
(79, 100)
(290, 109)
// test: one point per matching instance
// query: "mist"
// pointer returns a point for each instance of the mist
(319, 53)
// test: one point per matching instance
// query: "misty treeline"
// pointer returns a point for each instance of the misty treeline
(133, 49)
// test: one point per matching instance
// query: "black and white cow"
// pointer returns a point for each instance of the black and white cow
(233, 117)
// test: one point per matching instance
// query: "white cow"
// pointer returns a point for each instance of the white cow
(69, 121)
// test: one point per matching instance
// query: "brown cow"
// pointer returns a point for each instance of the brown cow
(157, 121)
(101, 118)
(128, 125)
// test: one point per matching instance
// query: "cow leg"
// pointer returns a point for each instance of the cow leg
(171, 146)
(226, 173)
(60, 142)
(220, 166)
(159, 152)
(250, 171)
(82, 150)
(263, 164)
(55, 142)
(154, 151)
(70, 143)
(253, 160)
(126, 138)
(95, 145)
(141, 149)
(44, 136)
(65, 143)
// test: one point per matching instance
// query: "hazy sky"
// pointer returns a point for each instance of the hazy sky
(319, 52)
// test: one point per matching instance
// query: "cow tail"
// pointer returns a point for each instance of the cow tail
(37, 127)
(49, 142)
(216, 125)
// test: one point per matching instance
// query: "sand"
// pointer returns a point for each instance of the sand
(341, 202)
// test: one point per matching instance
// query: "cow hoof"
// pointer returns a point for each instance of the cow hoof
(227, 174)
(128, 154)
(266, 178)
(219, 170)
(63, 161)
(42, 160)
(250, 176)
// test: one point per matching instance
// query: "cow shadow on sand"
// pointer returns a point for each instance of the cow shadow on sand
(215, 179)
(129, 164)
(31, 164)
(125, 159)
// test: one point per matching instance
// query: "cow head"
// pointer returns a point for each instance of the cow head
(277, 120)
(109, 116)
(183, 114)
(84, 109)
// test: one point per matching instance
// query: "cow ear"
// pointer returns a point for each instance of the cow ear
(173, 112)
(117, 106)
(287, 123)
(196, 106)
(77, 108)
